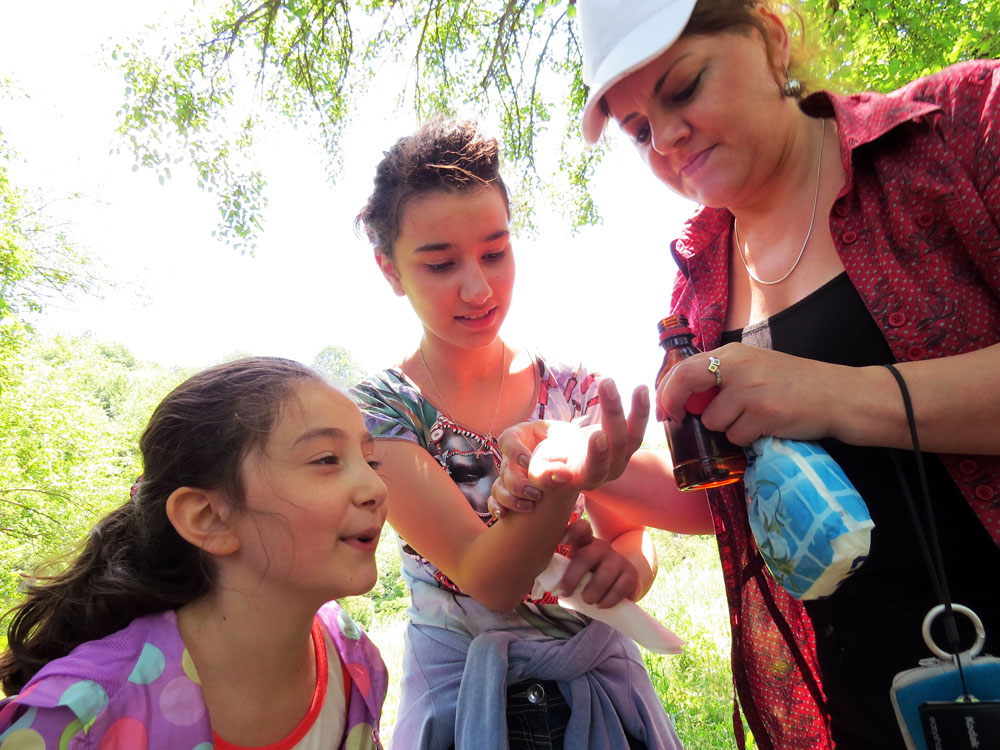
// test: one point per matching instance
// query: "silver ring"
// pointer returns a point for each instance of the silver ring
(715, 367)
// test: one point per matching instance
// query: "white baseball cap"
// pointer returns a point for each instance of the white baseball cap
(620, 36)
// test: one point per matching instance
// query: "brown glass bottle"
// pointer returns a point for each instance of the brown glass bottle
(702, 458)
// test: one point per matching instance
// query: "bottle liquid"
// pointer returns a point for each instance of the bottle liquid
(702, 458)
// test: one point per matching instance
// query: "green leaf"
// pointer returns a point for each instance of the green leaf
(311, 62)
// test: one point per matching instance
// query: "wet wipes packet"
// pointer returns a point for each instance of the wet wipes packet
(812, 527)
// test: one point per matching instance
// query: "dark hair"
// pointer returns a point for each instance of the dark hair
(445, 155)
(134, 563)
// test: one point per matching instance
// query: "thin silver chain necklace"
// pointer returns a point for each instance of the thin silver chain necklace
(812, 221)
(484, 443)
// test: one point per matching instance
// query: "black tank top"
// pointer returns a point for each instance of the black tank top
(870, 628)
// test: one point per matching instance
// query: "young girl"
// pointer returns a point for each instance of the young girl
(200, 612)
(485, 666)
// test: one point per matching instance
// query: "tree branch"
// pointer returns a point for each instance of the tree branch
(28, 507)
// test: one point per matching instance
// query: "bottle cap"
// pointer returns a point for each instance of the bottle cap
(673, 326)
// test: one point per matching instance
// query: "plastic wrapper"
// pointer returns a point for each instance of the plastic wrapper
(812, 527)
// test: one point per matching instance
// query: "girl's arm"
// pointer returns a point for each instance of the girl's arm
(646, 494)
(496, 565)
(628, 539)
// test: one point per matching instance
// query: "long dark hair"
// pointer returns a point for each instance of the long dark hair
(134, 563)
(444, 155)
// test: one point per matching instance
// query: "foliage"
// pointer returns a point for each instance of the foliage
(70, 418)
(688, 596)
(880, 45)
(312, 62)
(37, 258)
(64, 404)
(336, 364)
(389, 597)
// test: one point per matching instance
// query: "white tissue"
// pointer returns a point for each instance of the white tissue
(626, 616)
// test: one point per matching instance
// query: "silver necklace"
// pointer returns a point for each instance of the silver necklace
(812, 220)
(484, 443)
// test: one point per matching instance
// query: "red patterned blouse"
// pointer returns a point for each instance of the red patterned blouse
(917, 226)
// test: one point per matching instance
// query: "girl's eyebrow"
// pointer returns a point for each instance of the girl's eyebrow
(433, 247)
(332, 432)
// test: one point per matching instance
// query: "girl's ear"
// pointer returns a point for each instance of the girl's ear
(388, 269)
(204, 519)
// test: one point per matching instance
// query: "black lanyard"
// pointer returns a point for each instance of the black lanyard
(931, 550)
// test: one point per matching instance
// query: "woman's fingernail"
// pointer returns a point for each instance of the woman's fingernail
(525, 505)
(644, 396)
(602, 443)
(532, 493)
(523, 460)
(558, 478)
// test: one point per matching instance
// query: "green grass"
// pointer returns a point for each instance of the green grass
(695, 687)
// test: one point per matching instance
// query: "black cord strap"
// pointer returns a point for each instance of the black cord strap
(932, 549)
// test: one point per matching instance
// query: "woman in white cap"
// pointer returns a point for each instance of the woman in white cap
(838, 234)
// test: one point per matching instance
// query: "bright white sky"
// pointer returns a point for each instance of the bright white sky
(185, 298)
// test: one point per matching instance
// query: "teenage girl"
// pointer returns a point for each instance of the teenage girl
(200, 612)
(485, 665)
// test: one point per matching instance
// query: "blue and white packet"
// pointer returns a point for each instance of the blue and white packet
(812, 527)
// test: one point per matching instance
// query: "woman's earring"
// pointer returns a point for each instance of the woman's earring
(792, 87)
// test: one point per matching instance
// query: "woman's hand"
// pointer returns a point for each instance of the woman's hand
(549, 456)
(613, 577)
(762, 392)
